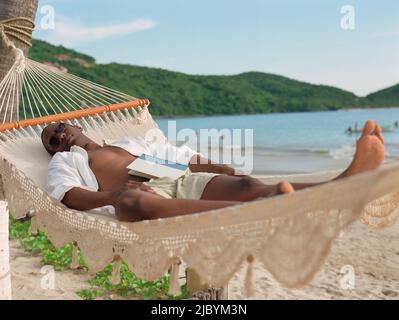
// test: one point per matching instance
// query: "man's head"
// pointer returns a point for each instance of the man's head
(58, 137)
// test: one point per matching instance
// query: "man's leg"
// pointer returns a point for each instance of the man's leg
(369, 156)
(223, 191)
(232, 188)
(136, 205)
(370, 151)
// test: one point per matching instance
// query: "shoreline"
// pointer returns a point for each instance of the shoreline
(163, 117)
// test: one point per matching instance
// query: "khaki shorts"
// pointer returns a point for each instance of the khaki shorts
(189, 186)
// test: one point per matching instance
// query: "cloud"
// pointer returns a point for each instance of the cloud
(71, 32)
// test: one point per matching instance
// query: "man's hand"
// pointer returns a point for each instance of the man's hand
(200, 164)
(137, 185)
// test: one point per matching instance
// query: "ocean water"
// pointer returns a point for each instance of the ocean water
(295, 142)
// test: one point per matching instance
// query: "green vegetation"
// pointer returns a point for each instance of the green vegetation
(388, 97)
(129, 287)
(175, 94)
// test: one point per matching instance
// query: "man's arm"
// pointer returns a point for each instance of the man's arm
(201, 164)
(82, 199)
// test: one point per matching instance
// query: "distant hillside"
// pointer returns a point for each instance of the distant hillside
(388, 97)
(173, 93)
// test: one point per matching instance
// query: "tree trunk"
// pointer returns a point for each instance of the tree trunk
(13, 9)
(9, 9)
(5, 276)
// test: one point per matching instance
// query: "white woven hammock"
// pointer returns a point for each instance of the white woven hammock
(290, 234)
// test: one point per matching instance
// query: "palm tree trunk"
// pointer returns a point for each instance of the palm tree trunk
(13, 9)
(5, 276)
(10, 9)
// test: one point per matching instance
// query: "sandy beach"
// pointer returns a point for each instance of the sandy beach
(373, 255)
(27, 273)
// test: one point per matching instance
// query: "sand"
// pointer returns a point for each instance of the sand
(28, 277)
(373, 255)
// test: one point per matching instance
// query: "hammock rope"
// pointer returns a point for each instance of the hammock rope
(38, 90)
(11, 28)
(31, 90)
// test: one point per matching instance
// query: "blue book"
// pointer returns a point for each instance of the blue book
(152, 167)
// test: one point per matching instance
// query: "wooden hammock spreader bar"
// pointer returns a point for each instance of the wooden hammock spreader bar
(73, 114)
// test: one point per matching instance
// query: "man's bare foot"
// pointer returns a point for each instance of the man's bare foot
(370, 151)
(281, 188)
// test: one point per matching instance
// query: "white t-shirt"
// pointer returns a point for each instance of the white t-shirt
(70, 169)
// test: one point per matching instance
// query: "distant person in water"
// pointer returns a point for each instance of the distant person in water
(349, 130)
(84, 175)
(396, 124)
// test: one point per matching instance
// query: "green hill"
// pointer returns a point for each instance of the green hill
(174, 93)
(388, 97)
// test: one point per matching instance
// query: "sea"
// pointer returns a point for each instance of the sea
(284, 143)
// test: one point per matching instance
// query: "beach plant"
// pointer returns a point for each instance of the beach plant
(129, 287)
(39, 244)
(100, 285)
(18, 229)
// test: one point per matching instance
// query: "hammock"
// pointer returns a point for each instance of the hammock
(290, 234)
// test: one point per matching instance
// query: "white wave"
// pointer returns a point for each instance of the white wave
(343, 152)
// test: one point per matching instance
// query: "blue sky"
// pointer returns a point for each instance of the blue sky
(300, 39)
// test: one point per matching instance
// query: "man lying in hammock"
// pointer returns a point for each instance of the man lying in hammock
(84, 175)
